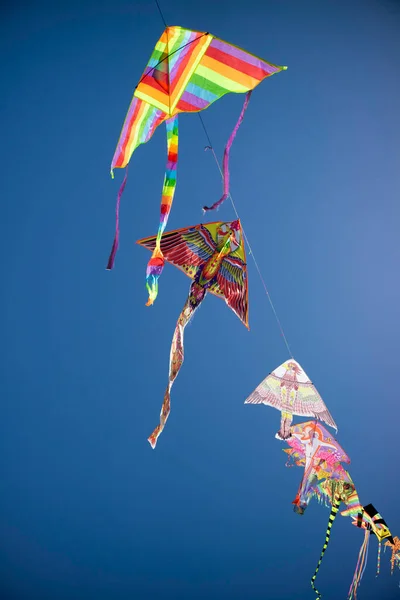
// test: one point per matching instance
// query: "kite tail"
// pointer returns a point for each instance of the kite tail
(360, 567)
(156, 263)
(332, 516)
(378, 565)
(176, 357)
(115, 245)
(226, 157)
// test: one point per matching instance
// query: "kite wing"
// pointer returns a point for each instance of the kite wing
(307, 401)
(326, 447)
(231, 281)
(187, 71)
(231, 284)
(268, 392)
(188, 248)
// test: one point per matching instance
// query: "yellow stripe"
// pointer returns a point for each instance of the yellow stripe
(188, 72)
(224, 82)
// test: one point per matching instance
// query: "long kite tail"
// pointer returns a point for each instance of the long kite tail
(332, 516)
(115, 245)
(378, 564)
(176, 357)
(226, 157)
(156, 263)
(360, 567)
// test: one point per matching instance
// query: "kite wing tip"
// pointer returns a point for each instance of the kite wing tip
(284, 68)
(152, 442)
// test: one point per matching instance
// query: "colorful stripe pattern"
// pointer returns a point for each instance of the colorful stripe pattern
(156, 263)
(140, 123)
(187, 71)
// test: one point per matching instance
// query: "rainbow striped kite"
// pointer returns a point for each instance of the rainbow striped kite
(188, 71)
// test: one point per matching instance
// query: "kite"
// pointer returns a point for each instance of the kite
(340, 491)
(371, 521)
(289, 390)
(187, 71)
(395, 548)
(213, 256)
(313, 447)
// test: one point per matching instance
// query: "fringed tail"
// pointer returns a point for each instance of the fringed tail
(156, 263)
(226, 157)
(197, 294)
(360, 567)
(332, 516)
(115, 245)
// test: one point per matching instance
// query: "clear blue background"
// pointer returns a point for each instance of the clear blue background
(88, 510)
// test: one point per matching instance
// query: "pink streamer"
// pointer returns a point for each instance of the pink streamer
(115, 245)
(226, 157)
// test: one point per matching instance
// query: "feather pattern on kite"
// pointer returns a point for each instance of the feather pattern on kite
(187, 71)
(289, 390)
(213, 256)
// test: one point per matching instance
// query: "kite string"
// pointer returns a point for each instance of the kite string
(237, 216)
(161, 14)
(210, 147)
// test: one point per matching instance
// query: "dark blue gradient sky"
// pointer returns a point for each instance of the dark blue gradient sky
(87, 509)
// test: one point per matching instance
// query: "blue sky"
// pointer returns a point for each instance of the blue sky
(87, 508)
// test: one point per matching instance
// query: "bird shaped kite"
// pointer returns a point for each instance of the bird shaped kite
(213, 255)
(289, 390)
(187, 71)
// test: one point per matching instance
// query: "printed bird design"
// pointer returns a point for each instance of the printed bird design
(289, 390)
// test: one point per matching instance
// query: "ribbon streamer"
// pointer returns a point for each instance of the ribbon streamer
(226, 157)
(196, 296)
(156, 263)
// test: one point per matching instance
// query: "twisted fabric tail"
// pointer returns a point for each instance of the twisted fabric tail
(115, 245)
(332, 516)
(226, 157)
(156, 263)
(177, 355)
(360, 567)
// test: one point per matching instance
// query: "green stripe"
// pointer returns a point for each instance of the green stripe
(208, 85)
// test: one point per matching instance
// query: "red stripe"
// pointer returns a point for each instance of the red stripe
(173, 156)
(187, 107)
(191, 48)
(153, 83)
(236, 63)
